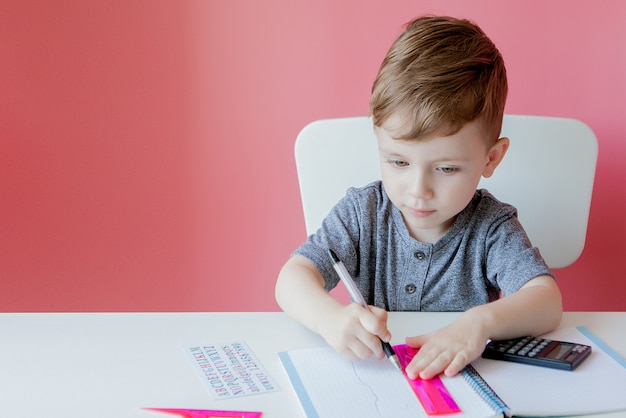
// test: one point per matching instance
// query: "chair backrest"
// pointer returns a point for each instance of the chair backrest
(547, 173)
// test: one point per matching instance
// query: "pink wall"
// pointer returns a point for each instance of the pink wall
(146, 158)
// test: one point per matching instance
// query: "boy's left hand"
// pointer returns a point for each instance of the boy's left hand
(446, 350)
(533, 310)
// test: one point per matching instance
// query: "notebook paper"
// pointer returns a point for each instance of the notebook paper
(597, 385)
(329, 386)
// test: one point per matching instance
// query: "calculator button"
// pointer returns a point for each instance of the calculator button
(504, 345)
(532, 344)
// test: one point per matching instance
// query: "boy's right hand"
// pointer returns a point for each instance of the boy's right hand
(355, 332)
(352, 330)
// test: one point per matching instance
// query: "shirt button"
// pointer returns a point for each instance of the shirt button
(410, 288)
(420, 255)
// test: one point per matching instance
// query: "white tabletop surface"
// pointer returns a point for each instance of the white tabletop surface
(111, 365)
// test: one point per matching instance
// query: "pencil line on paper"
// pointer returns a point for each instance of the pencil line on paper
(369, 387)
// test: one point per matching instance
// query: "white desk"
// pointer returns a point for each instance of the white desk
(111, 365)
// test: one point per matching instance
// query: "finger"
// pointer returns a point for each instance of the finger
(373, 344)
(379, 313)
(417, 341)
(426, 367)
(419, 363)
(351, 346)
(360, 350)
(347, 353)
(438, 365)
(374, 321)
(358, 340)
(429, 361)
(458, 363)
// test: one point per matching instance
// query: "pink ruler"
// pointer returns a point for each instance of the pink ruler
(206, 413)
(431, 393)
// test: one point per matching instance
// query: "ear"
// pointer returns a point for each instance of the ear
(495, 156)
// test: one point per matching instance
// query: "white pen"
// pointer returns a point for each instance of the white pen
(357, 297)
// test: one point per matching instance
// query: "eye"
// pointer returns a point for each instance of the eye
(447, 169)
(397, 163)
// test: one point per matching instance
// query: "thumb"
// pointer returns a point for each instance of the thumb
(417, 341)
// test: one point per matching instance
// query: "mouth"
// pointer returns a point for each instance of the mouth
(420, 213)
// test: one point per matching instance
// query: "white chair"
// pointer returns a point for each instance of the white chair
(547, 174)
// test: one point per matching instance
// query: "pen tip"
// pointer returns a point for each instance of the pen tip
(396, 362)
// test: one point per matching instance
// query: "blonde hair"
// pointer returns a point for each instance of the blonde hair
(440, 74)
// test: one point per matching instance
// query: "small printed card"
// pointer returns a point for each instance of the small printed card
(230, 370)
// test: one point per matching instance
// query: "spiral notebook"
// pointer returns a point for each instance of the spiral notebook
(329, 386)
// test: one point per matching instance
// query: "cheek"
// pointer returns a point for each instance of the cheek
(461, 189)
(389, 183)
(387, 174)
(393, 184)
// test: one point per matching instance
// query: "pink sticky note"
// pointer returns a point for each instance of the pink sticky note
(207, 413)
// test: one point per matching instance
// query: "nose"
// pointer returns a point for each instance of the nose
(420, 187)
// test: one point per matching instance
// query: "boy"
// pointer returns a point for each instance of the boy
(424, 239)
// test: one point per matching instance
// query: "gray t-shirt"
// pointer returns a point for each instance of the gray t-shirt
(485, 253)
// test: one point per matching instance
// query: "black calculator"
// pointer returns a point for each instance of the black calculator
(539, 352)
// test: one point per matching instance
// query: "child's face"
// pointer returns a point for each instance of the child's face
(431, 180)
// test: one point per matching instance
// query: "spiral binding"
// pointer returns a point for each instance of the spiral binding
(481, 387)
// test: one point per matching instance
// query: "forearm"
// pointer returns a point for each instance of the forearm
(300, 293)
(352, 330)
(533, 310)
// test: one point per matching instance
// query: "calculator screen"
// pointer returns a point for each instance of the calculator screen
(559, 351)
